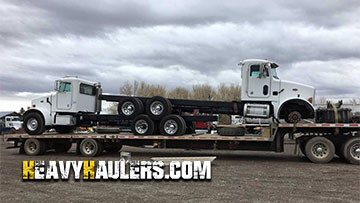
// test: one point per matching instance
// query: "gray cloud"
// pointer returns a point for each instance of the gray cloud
(177, 43)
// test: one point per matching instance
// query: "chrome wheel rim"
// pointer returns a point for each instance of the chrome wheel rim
(32, 124)
(141, 126)
(128, 108)
(88, 148)
(32, 146)
(355, 151)
(170, 127)
(156, 108)
(320, 150)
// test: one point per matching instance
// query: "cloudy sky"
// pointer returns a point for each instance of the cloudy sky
(176, 43)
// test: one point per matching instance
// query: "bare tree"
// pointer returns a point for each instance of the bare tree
(112, 109)
(126, 89)
(228, 93)
(179, 93)
(150, 90)
(202, 92)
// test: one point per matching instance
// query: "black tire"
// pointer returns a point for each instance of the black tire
(64, 129)
(131, 107)
(319, 150)
(351, 150)
(62, 147)
(89, 147)
(34, 123)
(158, 107)
(172, 125)
(34, 147)
(112, 147)
(231, 131)
(142, 125)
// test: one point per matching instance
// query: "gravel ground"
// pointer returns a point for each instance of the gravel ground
(237, 176)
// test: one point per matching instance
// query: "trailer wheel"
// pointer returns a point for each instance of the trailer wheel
(34, 147)
(89, 147)
(34, 123)
(352, 150)
(142, 125)
(64, 129)
(131, 107)
(63, 146)
(112, 147)
(172, 125)
(158, 107)
(319, 150)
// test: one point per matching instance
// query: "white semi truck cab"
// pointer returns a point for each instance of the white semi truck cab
(77, 101)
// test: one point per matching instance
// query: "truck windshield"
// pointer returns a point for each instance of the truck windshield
(274, 73)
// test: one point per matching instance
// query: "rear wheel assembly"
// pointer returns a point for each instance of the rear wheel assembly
(351, 150)
(34, 147)
(90, 147)
(142, 125)
(172, 125)
(319, 150)
(131, 107)
(158, 107)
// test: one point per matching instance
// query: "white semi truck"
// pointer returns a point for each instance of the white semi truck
(77, 102)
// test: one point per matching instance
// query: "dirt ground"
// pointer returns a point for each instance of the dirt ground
(237, 176)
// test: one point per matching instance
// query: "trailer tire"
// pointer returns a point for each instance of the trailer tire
(172, 125)
(34, 147)
(34, 123)
(158, 107)
(142, 125)
(89, 147)
(351, 150)
(319, 150)
(131, 107)
(64, 129)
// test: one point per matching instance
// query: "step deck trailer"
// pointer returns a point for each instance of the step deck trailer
(318, 142)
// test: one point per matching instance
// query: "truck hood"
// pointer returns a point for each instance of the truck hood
(293, 89)
(42, 99)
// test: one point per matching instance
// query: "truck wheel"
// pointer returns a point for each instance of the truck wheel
(130, 108)
(158, 107)
(113, 147)
(34, 123)
(89, 147)
(64, 129)
(293, 117)
(142, 125)
(172, 125)
(352, 150)
(34, 147)
(319, 150)
(63, 146)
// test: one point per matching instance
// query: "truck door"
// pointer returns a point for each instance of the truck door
(258, 82)
(64, 96)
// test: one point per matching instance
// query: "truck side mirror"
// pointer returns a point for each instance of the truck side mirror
(57, 85)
